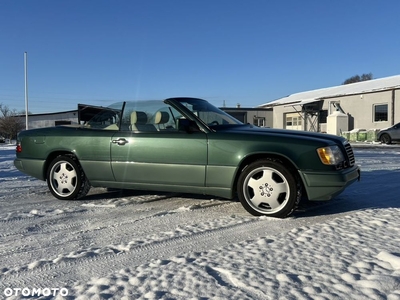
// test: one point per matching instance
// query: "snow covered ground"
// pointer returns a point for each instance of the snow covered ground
(141, 245)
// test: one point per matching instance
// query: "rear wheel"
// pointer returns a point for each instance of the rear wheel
(66, 179)
(268, 188)
(385, 138)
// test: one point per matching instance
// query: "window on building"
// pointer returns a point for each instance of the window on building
(58, 123)
(380, 112)
(323, 114)
(258, 121)
(293, 121)
(241, 116)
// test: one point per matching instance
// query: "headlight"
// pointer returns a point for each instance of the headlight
(331, 155)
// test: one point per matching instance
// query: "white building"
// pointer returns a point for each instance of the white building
(373, 104)
(51, 119)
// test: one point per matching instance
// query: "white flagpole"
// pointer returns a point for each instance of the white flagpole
(26, 88)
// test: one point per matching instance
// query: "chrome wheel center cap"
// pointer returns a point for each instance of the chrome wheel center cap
(64, 178)
(266, 190)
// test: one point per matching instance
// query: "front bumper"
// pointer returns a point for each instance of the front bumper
(326, 185)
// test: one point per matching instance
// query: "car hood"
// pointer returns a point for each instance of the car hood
(251, 129)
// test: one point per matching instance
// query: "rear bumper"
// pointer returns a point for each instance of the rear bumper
(326, 185)
(31, 167)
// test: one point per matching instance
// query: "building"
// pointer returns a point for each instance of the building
(367, 105)
(82, 114)
(51, 119)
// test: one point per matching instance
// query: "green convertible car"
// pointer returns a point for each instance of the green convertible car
(187, 145)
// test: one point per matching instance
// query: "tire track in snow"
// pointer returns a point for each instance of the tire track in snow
(54, 225)
(65, 271)
(110, 229)
(87, 267)
(49, 221)
(46, 220)
(48, 216)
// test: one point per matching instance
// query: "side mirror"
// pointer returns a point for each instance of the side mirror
(188, 126)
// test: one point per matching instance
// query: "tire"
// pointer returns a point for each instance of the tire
(66, 179)
(268, 188)
(386, 139)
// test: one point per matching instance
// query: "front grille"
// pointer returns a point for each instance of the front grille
(350, 154)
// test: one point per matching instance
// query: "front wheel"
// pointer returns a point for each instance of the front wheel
(385, 138)
(267, 188)
(66, 180)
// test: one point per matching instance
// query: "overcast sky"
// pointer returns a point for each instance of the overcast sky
(226, 51)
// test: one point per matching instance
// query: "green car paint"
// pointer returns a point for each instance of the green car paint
(200, 149)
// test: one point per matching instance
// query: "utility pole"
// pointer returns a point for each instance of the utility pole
(26, 87)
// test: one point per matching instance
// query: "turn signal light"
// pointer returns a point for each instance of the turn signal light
(331, 155)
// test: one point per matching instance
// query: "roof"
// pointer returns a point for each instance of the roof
(48, 114)
(381, 84)
(257, 108)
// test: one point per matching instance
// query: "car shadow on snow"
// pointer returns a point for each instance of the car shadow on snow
(111, 193)
(98, 194)
(376, 189)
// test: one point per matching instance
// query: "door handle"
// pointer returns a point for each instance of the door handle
(120, 141)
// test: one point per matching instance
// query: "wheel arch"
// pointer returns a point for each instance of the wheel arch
(55, 154)
(269, 156)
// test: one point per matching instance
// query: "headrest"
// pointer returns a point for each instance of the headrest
(161, 117)
(138, 117)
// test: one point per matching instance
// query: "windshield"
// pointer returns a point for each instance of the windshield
(208, 113)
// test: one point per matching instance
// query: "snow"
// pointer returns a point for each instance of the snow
(145, 245)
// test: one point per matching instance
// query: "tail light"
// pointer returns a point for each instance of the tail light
(18, 149)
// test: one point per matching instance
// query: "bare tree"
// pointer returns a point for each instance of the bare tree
(358, 78)
(10, 124)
